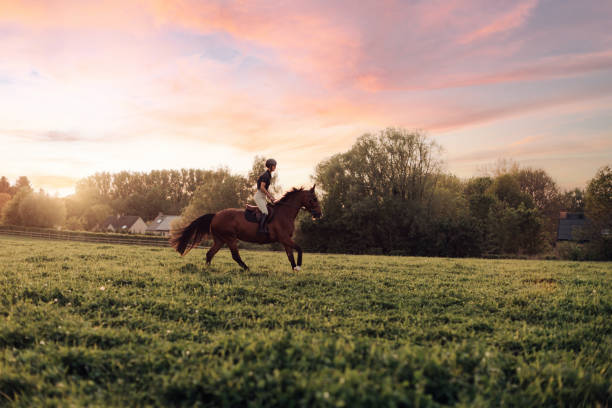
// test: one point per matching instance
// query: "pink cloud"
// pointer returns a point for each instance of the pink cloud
(507, 21)
(540, 147)
(331, 47)
(476, 115)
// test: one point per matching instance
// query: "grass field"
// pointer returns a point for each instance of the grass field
(101, 325)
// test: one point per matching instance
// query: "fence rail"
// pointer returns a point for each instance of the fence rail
(68, 236)
(118, 239)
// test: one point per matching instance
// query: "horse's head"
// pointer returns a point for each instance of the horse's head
(311, 203)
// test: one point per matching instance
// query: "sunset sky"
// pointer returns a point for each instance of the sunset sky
(90, 86)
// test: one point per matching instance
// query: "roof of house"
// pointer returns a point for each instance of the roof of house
(122, 222)
(569, 223)
(162, 223)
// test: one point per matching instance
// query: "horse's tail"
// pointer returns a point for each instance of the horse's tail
(189, 237)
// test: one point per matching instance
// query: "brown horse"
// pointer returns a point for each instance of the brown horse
(230, 225)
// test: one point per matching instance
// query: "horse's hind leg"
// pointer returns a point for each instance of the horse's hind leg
(233, 246)
(217, 245)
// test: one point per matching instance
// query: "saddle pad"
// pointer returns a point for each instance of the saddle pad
(250, 216)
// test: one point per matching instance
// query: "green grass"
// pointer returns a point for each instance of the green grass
(102, 325)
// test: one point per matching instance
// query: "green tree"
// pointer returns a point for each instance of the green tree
(545, 195)
(95, 215)
(221, 190)
(479, 196)
(10, 211)
(542, 189)
(598, 203)
(138, 193)
(377, 194)
(507, 189)
(573, 200)
(41, 210)
(599, 198)
(517, 230)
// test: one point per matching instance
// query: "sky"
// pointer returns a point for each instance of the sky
(92, 86)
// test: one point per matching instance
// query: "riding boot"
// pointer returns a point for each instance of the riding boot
(262, 224)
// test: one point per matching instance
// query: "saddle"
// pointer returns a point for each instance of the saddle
(252, 213)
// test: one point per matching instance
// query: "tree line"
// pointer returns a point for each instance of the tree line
(387, 194)
(187, 192)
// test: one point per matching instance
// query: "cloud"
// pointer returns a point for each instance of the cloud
(55, 136)
(476, 115)
(507, 21)
(542, 147)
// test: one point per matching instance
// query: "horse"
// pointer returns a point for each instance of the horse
(230, 225)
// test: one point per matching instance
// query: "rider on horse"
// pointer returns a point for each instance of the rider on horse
(263, 184)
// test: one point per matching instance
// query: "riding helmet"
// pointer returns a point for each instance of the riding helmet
(270, 163)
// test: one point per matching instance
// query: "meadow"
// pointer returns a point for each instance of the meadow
(86, 324)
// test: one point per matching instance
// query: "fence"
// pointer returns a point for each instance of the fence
(84, 237)
(110, 238)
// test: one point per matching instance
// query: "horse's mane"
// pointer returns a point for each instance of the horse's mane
(290, 194)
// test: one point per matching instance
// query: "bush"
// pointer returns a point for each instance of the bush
(571, 251)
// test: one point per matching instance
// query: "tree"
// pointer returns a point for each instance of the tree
(541, 188)
(95, 215)
(515, 230)
(222, 190)
(573, 200)
(508, 190)
(4, 198)
(74, 224)
(41, 210)
(545, 195)
(10, 211)
(598, 202)
(145, 194)
(5, 186)
(377, 194)
(22, 183)
(478, 193)
(599, 198)
(500, 167)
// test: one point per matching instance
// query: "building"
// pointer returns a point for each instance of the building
(162, 224)
(131, 224)
(570, 226)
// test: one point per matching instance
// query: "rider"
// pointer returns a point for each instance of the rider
(263, 183)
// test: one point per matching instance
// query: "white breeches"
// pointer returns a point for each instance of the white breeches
(260, 200)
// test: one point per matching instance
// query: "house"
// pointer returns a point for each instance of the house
(162, 224)
(132, 224)
(570, 225)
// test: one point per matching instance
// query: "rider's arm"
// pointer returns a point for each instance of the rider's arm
(262, 187)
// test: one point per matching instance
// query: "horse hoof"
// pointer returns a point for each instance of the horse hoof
(297, 269)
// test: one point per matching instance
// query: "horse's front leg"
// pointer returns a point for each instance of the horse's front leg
(299, 251)
(289, 247)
